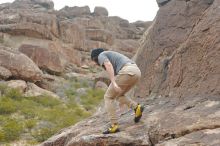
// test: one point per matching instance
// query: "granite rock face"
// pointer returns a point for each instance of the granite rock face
(19, 65)
(45, 59)
(165, 122)
(180, 85)
(181, 51)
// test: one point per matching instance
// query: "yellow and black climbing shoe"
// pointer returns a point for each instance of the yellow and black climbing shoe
(112, 129)
(138, 113)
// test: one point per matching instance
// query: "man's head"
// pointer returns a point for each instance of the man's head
(95, 53)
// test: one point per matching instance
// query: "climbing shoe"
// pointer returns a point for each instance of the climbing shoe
(138, 113)
(112, 129)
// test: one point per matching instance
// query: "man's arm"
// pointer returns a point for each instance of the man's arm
(110, 71)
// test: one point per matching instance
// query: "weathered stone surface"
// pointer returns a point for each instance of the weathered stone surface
(40, 5)
(90, 44)
(45, 3)
(75, 28)
(162, 2)
(72, 12)
(94, 23)
(72, 33)
(161, 122)
(47, 60)
(4, 73)
(34, 90)
(20, 19)
(126, 47)
(179, 60)
(17, 84)
(101, 85)
(197, 139)
(19, 65)
(184, 33)
(99, 35)
(100, 11)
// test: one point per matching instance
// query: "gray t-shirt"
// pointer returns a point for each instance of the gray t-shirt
(117, 60)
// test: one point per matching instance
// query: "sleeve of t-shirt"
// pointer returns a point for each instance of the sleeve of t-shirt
(102, 58)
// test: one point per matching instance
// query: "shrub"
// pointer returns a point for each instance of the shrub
(92, 98)
(1, 40)
(43, 133)
(7, 106)
(28, 108)
(46, 101)
(3, 89)
(28, 111)
(2, 136)
(30, 123)
(14, 94)
(12, 130)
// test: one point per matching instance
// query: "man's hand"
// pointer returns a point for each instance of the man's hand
(116, 87)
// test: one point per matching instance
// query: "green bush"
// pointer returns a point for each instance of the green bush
(43, 133)
(12, 130)
(92, 98)
(1, 40)
(3, 89)
(46, 101)
(14, 94)
(2, 136)
(19, 114)
(7, 106)
(28, 108)
(30, 123)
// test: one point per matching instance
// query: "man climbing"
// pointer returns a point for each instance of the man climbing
(124, 74)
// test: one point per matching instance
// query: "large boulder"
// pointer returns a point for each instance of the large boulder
(20, 19)
(72, 33)
(100, 35)
(46, 59)
(180, 41)
(165, 122)
(100, 11)
(40, 5)
(17, 84)
(34, 90)
(94, 23)
(45, 3)
(72, 12)
(4, 73)
(20, 66)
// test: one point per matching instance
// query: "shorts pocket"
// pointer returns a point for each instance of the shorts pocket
(131, 73)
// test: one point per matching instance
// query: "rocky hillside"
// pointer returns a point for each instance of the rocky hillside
(60, 41)
(180, 86)
(45, 53)
(36, 40)
(181, 50)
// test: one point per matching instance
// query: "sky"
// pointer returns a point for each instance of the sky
(132, 10)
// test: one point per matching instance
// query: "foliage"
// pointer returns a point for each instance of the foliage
(22, 115)
(7, 106)
(93, 97)
(3, 88)
(14, 94)
(11, 130)
(1, 40)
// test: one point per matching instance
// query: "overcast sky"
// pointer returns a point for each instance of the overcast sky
(132, 10)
